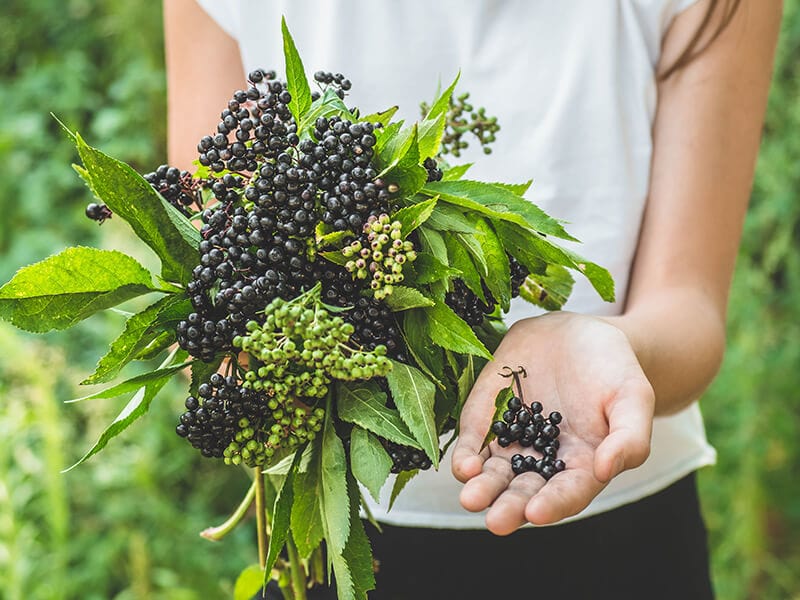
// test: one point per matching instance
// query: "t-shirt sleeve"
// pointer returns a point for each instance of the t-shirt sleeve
(680, 5)
(225, 13)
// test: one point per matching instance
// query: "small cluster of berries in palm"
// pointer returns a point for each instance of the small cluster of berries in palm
(527, 425)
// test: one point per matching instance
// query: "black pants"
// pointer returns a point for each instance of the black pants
(652, 549)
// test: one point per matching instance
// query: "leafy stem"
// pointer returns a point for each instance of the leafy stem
(261, 516)
(296, 570)
(217, 533)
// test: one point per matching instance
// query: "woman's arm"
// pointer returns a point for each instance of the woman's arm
(706, 138)
(609, 376)
(203, 69)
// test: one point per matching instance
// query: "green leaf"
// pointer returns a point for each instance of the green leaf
(296, 81)
(137, 335)
(202, 372)
(402, 164)
(281, 514)
(249, 583)
(415, 215)
(358, 553)
(135, 383)
(163, 341)
(336, 257)
(473, 244)
(329, 105)
(382, 117)
(400, 482)
(551, 290)
(414, 395)
(66, 288)
(466, 380)
(404, 298)
(498, 275)
(370, 462)
(530, 248)
(428, 269)
(460, 259)
(306, 520)
(365, 405)
(455, 173)
(136, 407)
(433, 243)
(387, 137)
(334, 501)
(151, 217)
(448, 330)
(447, 217)
(332, 238)
(441, 105)
(429, 357)
(515, 188)
(500, 406)
(430, 135)
(497, 202)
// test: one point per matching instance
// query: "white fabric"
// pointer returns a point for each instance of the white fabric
(573, 87)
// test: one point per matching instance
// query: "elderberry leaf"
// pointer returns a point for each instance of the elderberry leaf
(329, 105)
(365, 405)
(430, 135)
(474, 245)
(449, 218)
(358, 552)
(202, 372)
(415, 215)
(383, 117)
(136, 407)
(500, 406)
(460, 259)
(549, 290)
(249, 583)
(427, 269)
(404, 298)
(429, 357)
(414, 394)
(448, 330)
(498, 272)
(138, 334)
(306, 519)
(368, 459)
(400, 482)
(334, 500)
(515, 188)
(441, 105)
(296, 81)
(455, 173)
(281, 515)
(70, 286)
(135, 383)
(400, 162)
(154, 220)
(531, 249)
(336, 257)
(497, 203)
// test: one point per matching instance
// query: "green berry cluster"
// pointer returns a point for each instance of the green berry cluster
(384, 258)
(463, 118)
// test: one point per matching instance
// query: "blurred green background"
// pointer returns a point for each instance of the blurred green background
(126, 526)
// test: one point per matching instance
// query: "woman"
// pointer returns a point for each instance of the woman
(640, 121)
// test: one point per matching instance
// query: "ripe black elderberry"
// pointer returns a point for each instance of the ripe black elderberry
(406, 458)
(176, 187)
(98, 212)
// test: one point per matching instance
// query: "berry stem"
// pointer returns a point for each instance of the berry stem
(261, 516)
(220, 531)
(296, 570)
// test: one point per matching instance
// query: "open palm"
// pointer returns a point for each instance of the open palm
(582, 367)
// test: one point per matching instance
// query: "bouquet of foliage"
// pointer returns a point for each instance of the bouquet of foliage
(332, 285)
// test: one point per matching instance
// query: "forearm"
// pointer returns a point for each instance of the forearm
(679, 338)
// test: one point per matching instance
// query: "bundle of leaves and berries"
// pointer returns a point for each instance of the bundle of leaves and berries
(333, 285)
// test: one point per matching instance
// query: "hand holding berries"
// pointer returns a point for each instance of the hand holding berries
(582, 367)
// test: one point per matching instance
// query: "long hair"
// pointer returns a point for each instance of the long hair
(696, 45)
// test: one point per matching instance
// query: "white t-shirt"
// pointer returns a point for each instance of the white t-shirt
(572, 84)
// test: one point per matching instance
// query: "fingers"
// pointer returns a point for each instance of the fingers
(566, 494)
(474, 423)
(480, 491)
(630, 423)
(507, 514)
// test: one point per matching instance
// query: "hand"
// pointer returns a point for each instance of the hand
(582, 367)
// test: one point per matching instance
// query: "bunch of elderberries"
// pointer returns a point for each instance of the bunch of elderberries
(526, 425)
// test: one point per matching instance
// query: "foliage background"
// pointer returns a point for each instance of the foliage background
(126, 527)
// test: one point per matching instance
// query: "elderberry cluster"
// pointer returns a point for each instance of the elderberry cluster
(406, 458)
(217, 414)
(335, 81)
(528, 426)
(469, 306)
(176, 187)
(383, 260)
